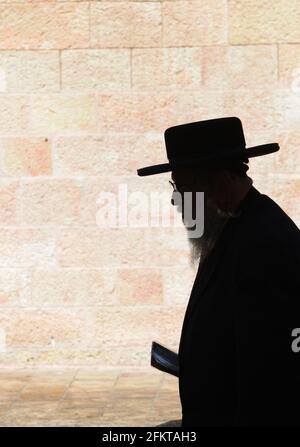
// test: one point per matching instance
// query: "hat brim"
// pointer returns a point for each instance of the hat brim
(254, 151)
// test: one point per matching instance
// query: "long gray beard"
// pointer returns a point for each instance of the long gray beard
(214, 221)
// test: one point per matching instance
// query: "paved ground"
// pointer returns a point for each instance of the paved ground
(86, 397)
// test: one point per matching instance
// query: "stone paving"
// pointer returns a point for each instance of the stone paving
(87, 397)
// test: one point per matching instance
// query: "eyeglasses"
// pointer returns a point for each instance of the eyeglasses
(181, 187)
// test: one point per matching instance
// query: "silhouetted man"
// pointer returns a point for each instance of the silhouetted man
(238, 352)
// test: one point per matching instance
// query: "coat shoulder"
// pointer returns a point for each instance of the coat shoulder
(266, 235)
(267, 224)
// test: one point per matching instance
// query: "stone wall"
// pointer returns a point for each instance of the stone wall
(87, 90)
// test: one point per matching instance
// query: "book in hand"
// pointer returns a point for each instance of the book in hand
(164, 359)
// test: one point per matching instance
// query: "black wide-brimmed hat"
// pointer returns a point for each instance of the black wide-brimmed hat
(210, 141)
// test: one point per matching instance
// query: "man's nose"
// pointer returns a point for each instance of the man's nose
(177, 201)
(172, 199)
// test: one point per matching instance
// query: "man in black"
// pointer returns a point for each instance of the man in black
(236, 357)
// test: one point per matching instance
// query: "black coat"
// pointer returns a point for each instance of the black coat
(237, 366)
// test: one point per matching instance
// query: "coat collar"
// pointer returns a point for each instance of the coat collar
(248, 200)
(214, 256)
(205, 271)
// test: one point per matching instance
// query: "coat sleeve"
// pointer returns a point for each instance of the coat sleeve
(266, 311)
